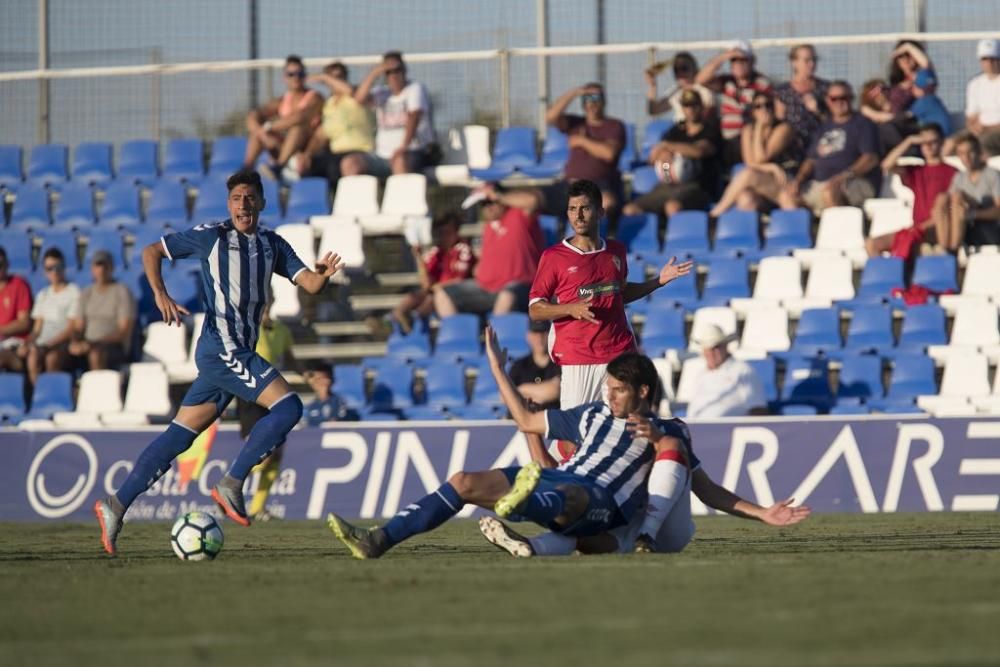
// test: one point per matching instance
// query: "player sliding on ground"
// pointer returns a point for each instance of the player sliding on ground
(237, 261)
(600, 488)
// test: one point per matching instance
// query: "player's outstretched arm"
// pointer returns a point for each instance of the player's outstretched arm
(717, 497)
(314, 281)
(152, 257)
(670, 271)
(527, 421)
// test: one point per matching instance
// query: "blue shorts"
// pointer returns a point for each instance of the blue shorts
(223, 375)
(602, 513)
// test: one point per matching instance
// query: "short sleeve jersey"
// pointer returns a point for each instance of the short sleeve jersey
(455, 263)
(510, 251)
(567, 274)
(236, 270)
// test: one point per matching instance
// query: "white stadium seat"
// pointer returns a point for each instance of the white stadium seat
(765, 330)
(188, 370)
(356, 196)
(302, 239)
(901, 191)
(965, 378)
(166, 343)
(841, 232)
(666, 372)
(344, 238)
(147, 394)
(100, 392)
(974, 329)
(690, 376)
(477, 146)
(405, 196)
(830, 279)
(982, 276)
(889, 219)
(720, 316)
(779, 279)
(454, 167)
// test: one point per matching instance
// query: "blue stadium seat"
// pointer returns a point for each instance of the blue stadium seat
(644, 179)
(736, 234)
(92, 163)
(486, 393)
(444, 386)
(630, 153)
(476, 411)
(682, 292)
(514, 148)
(104, 239)
(807, 381)
(12, 405)
(167, 205)
(860, 377)
(653, 134)
(818, 332)
(687, 234)
(870, 330)
(408, 348)
(31, 209)
(663, 330)
(75, 208)
(183, 286)
(393, 388)
(512, 329)
(138, 162)
(766, 370)
(798, 410)
(550, 228)
(273, 211)
(850, 407)
(458, 337)
(211, 204)
(787, 231)
(555, 152)
(11, 173)
(912, 375)
(19, 252)
(184, 160)
(879, 277)
(379, 416)
(121, 207)
(639, 233)
(227, 156)
(923, 325)
(308, 197)
(143, 236)
(53, 393)
(727, 279)
(349, 384)
(426, 413)
(63, 239)
(936, 272)
(48, 165)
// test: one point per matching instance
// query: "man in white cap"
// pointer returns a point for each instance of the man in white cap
(727, 387)
(982, 97)
(736, 91)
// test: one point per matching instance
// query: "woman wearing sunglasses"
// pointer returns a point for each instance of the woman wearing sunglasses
(56, 310)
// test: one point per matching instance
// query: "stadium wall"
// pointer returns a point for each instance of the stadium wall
(873, 465)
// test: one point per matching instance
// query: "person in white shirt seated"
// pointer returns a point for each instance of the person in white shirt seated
(726, 387)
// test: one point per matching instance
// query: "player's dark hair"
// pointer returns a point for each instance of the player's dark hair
(54, 253)
(583, 187)
(933, 127)
(246, 177)
(635, 370)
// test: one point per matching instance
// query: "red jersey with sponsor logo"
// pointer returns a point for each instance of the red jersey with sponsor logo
(567, 274)
(455, 263)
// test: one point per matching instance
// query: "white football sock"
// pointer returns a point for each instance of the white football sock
(666, 482)
(552, 544)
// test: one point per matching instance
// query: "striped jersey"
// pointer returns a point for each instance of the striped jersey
(236, 270)
(608, 454)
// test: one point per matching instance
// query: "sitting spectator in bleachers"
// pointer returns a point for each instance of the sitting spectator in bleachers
(736, 90)
(801, 101)
(927, 107)
(974, 199)
(508, 259)
(685, 69)
(908, 58)
(727, 387)
(770, 161)
(404, 136)
(688, 160)
(448, 260)
(56, 310)
(107, 315)
(344, 142)
(15, 315)
(843, 159)
(982, 98)
(283, 125)
(929, 182)
(595, 141)
(326, 405)
(876, 107)
(535, 375)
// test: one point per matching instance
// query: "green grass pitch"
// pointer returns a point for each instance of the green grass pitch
(910, 589)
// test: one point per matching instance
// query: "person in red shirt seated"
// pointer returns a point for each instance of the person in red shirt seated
(15, 315)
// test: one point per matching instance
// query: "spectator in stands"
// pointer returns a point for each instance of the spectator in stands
(344, 142)
(56, 309)
(107, 315)
(929, 182)
(727, 387)
(876, 107)
(927, 107)
(326, 405)
(595, 142)
(535, 375)
(801, 100)
(15, 315)
(404, 138)
(982, 98)
(449, 260)
(685, 68)
(843, 158)
(283, 125)
(769, 156)
(973, 200)
(908, 58)
(736, 90)
(512, 243)
(688, 160)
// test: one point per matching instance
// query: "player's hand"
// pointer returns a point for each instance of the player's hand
(170, 309)
(329, 264)
(494, 352)
(783, 514)
(581, 310)
(671, 270)
(640, 426)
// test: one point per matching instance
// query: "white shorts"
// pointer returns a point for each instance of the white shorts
(582, 384)
(675, 533)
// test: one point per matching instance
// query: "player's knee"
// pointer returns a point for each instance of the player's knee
(288, 410)
(577, 500)
(461, 482)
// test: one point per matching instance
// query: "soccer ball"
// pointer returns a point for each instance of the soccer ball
(196, 536)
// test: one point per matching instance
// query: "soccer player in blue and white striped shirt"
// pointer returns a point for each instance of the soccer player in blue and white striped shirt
(238, 259)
